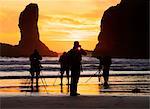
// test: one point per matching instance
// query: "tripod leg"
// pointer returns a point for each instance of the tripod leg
(31, 81)
(99, 79)
(67, 74)
(44, 86)
(31, 84)
(45, 82)
(90, 77)
(44, 79)
(55, 80)
(28, 85)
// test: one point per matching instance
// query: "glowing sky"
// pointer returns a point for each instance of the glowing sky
(60, 21)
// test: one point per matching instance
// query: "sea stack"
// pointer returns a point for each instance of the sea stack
(125, 30)
(30, 38)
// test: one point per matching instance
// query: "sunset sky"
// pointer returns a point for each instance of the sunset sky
(60, 21)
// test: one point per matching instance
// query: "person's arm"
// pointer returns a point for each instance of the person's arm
(60, 59)
(83, 52)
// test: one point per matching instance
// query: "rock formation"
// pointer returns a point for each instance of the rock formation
(125, 30)
(29, 36)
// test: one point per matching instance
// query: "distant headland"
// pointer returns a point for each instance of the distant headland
(30, 38)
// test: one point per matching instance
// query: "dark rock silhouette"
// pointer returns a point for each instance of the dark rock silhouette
(125, 30)
(29, 36)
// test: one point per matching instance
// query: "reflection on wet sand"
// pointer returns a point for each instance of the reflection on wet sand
(43, 85)
(118, 85)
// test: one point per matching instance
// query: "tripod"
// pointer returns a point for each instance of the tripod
(99, 76)
(55, 79)
(44, 82)
(37, 76)
(61, 76)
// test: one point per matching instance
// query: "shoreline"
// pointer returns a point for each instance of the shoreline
(58, 76)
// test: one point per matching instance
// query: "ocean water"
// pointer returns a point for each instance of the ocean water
(125, 75)
(88, 64)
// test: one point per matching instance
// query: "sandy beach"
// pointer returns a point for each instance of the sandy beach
(15, 91)
(82, 101)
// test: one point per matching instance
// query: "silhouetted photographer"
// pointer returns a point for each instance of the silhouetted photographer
(35, 66)
(105, 63)
(75, 57)
(64, 66)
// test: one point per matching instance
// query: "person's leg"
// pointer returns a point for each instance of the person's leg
(77, 80)
(75, 88)
(105, 80)
(73, 83)
(61, 88)
(71, 86)
(37, 79)
(32, 76)
(67, 74)
(61, 78)
(106, 75)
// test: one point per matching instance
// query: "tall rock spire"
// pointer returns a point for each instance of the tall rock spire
(28, 25)
(30, 38)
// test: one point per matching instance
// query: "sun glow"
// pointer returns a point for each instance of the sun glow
(77, 36)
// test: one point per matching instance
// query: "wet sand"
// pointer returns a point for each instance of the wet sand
(78, 102)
